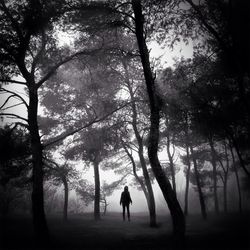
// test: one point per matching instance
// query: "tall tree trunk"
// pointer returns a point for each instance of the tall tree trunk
(197, 178)
(226, 177)
(97, 214)
(171, 164)
(150, 193)
(225, 195)
(66, 198)
(176, 212)
(187, 181)
(151, 200)
(105, 206)
(213, 154)
(237, 178)
(39, 220)
(235, 145)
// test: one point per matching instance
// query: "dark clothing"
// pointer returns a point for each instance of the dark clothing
(125, 198)
(125, 201)
(123, 211)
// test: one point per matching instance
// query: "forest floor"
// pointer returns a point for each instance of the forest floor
(82, 232)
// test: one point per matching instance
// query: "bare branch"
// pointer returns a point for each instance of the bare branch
(20, 124)
(9, 97)
(14, 116)
(13, 81)
(15, 94)
(12, 106)
(124, 13)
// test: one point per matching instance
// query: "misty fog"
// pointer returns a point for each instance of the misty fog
(124, 124)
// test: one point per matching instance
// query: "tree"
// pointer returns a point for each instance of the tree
(65, 174)
(29, 50)
(94, 145)
(198, 183)
(139, 138)
(87, 191)
(223, 25)
(154, 104)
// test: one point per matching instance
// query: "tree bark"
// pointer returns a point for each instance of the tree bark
(66, 199)
(97, 214)
(39, 220)
(225, 196)
(226, 178)
(197, 177)
(171, 164)
(213, 154)
(237, 178)
(105, 207)
(187, 181)
(176, 212)
(241, 160)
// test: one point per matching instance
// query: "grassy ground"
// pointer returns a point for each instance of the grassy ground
(82, 232)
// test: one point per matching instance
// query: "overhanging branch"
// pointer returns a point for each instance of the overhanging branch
(16, 95)
(72, 132)
(13, 81)
(67, 59)
(14, 116)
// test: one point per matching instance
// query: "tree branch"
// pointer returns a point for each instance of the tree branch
(15, 94)
(13, 81)
(9, 97)
(37, 57)
(67, 59)
(14, 115)
(12, 106)
(20, 124)
(207, 26)
(69, 133)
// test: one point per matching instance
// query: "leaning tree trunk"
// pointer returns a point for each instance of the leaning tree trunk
(66, 198)
(171, 164)
(187, 181)
(234, 143)
(97, 214)
(226, 178)
(105, 204)
(213, 154)
(225, 194)
(151, 199)
(237, 177)
(39, 220)
(197, 178)
(177, 215)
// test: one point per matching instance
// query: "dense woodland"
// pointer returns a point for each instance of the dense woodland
(102, 100)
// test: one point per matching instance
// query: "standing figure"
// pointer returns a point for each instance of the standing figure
(125, 201)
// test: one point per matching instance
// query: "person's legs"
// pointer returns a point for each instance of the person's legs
(123, 211)
(128, 212)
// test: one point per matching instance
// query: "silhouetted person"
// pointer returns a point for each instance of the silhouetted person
(125, 201)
